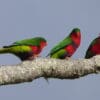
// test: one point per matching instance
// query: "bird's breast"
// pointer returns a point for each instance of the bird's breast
(70, 49)
(36, 49)
(96, 48)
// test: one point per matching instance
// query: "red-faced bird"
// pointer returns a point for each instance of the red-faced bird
(67, 47)
(26, 49)
(94, 48)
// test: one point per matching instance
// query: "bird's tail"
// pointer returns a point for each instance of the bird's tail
(4, 50)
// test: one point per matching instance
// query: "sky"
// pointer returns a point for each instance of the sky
(53, 20)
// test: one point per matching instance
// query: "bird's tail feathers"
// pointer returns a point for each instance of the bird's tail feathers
(5, 46)
(4, 50)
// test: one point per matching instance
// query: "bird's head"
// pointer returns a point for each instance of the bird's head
(76, 32)
(43, 43)
(76, 36)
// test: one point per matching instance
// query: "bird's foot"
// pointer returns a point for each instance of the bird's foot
(67, 58)
(31, 58)
(36, 56)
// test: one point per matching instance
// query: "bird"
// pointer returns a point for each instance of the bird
(67, 47)
(94, 48)
(26, 49)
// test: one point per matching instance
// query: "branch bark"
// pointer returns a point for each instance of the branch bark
(48, 68)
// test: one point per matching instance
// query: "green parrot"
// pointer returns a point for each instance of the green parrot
(26, 49)
(68, 46)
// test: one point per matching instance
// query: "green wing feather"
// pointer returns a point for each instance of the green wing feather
(61, 45)
(88, 54)
(33, 41)
(15, 49)
(59, 54)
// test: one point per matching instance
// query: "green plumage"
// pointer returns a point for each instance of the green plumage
(15, 49)
(89, 53)
(61, 45)
(59, 54)
(32, 42)
(22, 48)
(60, 51)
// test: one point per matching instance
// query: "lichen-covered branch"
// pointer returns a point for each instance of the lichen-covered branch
(48, 68)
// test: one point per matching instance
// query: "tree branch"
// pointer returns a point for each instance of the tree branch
(48, 68)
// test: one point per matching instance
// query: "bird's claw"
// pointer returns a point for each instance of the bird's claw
(67, 58)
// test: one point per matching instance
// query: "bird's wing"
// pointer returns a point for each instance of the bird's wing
(59, 54)
(61, 45)
(88, 54)
(32, 41)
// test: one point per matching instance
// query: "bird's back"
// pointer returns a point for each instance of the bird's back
(61, 45)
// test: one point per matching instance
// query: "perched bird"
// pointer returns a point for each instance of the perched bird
(26, 49)
(68, 46)
(94, 48)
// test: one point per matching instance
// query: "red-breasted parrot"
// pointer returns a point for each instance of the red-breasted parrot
(94, 48)
(68, 46)
(26, 49)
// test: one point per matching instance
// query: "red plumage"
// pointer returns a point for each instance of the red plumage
(94, 48)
